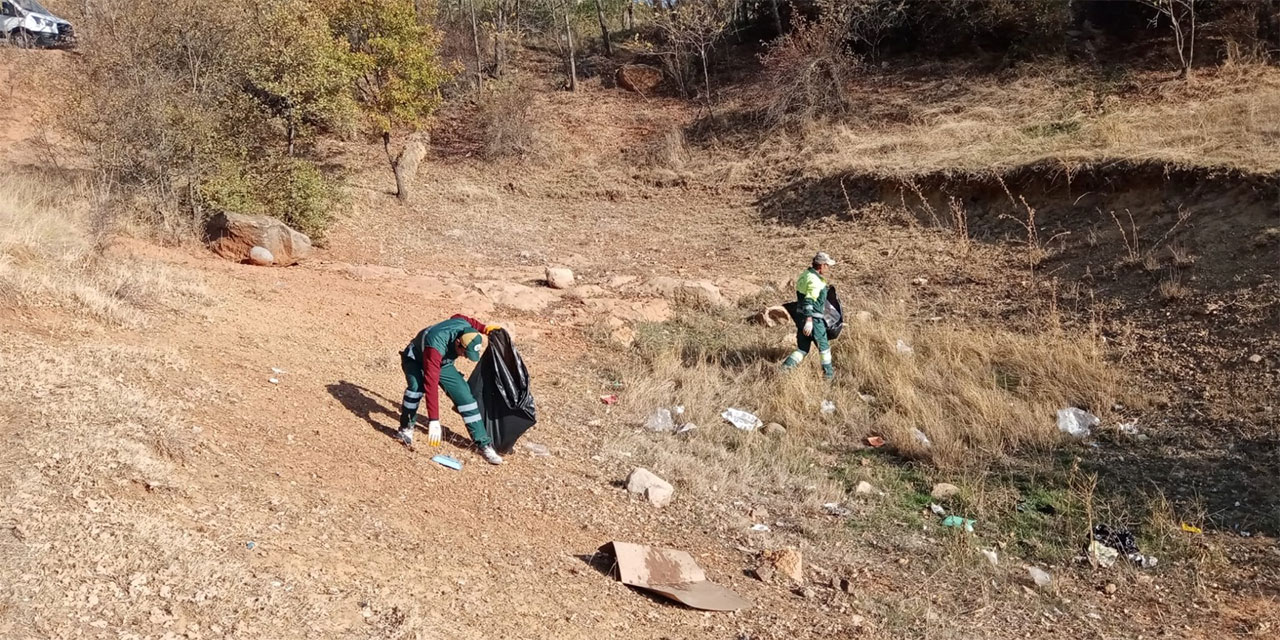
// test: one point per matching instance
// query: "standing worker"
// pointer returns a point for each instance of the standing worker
(811, 305)
(428, 366)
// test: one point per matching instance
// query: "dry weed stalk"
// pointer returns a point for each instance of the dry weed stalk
(1130, 237)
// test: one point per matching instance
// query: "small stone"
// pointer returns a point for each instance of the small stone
(864, 487)
(805, 592)
(944, 490)
(1255, 358)
(788, 562)
(657, 491)
(774, 429)
(858, 621)
(559, 278)
(1110, 589)
(261, 257)
(764, 573)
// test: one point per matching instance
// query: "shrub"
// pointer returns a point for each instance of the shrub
(505, 118)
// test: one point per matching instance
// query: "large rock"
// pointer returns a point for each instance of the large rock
(662, 286)
(944, 490)
(703, 292)
(656, 490)
(233, 236)
(773, 316)
(559, 278)
(517, 296)
(640, 78)
(735, 290)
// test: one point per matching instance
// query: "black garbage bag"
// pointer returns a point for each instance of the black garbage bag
(500, 383)
(833, 314)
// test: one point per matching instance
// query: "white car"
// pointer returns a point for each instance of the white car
(27, 23)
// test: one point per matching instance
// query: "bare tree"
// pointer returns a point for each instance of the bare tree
(1181, 15)
(475, 39)
(604, 29)
(571, 62)
(870, 21)
(777, 16)
(694, 27)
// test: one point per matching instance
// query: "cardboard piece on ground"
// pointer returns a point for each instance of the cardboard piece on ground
(673, 574)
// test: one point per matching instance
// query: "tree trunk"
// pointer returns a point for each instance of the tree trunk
(572, 62)
(499, 40)
(629, 18)
(406, 167)
(777, 16)
(706, 77)
(475, 39)
(604, 29)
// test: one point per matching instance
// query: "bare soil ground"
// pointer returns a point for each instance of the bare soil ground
(156, 482)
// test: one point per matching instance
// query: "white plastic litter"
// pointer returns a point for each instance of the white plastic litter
(760, 527)
(867, 398)
(921, 437)
(828, 407)
(277, 371)
(1129, 428)
(660, 420)
(686, 427)
(1041, 577)
(834, 508)
(991, 557)
(904, 348)
(537, 450)
(1076, 422)
(273, 380)
(937, 510)
(742, 419)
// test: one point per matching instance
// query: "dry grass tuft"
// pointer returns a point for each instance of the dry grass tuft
(48, 257)
(975, 393)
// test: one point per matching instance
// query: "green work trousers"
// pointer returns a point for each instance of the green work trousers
(454, 385)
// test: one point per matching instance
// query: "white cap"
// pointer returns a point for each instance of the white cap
(823, 258)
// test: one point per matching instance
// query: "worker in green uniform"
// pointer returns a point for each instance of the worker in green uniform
(811, 303)
(428, 366)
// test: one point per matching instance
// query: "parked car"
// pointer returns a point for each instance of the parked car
(28, 24)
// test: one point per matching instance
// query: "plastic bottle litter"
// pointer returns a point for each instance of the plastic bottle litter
(1040, 577)
(828, 407)
(742, 419)
(660, 420)
(1076, 422)
(921, 437)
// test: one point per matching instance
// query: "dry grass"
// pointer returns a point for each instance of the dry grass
(982, 123)
(49, 257)
(975, 393)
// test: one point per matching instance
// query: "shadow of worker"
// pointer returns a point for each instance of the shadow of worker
(366, 404)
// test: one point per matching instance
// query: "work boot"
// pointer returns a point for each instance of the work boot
(405, 436)
(490, 455)
(828, 372)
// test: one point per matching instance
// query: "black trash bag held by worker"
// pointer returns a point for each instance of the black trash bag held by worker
(833, 314)
(500, 383)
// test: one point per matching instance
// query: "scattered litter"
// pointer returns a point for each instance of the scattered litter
(273, 380)
(277, 371)
(671, 573)
(448, 461)
(250, 545)
(867, 398)
(1040, 577)
(1076, 422)
(828, 407)
(904, 348)
(1100, 555)
(686, 428)
(609, 399)
(1124, 543)
(992, 557)
(537, 449)
(1129, 428)
(1255, 358)
(678, 410)
(660, 420)
(921, 437)
(956, 522)
(1191, 528)
(742, 420)
(937, 509)
(760, 527)
(864, 487)
(834, 509)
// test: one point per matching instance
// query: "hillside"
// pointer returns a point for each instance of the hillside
(194, 447)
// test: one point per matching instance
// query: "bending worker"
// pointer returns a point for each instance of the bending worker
(811, 303)
(428, 366)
